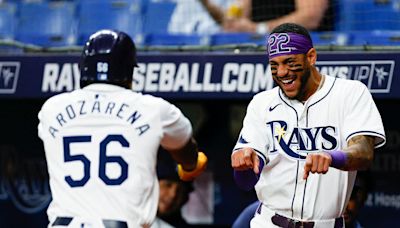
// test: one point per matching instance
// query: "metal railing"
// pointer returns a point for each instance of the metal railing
(15, 47)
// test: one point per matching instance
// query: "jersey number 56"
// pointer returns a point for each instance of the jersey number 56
(103, 160)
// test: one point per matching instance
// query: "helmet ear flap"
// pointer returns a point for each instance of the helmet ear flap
(109, 56)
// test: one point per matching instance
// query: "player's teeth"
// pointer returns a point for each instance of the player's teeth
(286, 81)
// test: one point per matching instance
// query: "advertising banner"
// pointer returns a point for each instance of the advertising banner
(193, 76)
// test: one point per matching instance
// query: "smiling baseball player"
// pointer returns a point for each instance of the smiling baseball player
(302, 142)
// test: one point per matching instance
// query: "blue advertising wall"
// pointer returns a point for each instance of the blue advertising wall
(27, 80)
(198, 76)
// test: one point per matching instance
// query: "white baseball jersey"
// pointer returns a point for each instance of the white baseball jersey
(101, 145)
(285, 131)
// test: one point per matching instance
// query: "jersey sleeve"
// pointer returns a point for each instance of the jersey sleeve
(177, 129)
(40, 126)
(362, 116)
(253, 133)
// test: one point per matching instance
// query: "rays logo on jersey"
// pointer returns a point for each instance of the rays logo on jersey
(8, 76)
(300, 141)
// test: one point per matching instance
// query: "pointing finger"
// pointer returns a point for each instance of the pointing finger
(248, 158)
(256, 163)
(307, 167)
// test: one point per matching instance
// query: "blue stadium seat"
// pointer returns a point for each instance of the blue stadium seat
(237, 38)
(330, 38)
(48, 24)
(173, 39)
(7, 20)
(121, 15)
(367, 15)
(157, 15)
(377, 37)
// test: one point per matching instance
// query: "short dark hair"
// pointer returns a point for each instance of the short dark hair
(167, 169)
(292, 27)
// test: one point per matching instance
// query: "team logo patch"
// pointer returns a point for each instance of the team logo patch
(9, 72)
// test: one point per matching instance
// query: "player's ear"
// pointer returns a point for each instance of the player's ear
(312, 56)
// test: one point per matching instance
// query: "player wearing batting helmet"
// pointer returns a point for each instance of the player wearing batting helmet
(101, 142)
(303, 141)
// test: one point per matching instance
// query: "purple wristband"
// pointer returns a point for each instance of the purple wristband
(338, 158)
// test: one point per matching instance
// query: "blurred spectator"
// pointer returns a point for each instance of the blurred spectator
(262, 16)
(174, 193)
(190, 17)
(362, 186)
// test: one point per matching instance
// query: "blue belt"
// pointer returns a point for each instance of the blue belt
(65, 221)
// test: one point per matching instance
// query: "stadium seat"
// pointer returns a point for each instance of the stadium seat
(157, 15)
(330, 38)
(237, 38)
(173, 39)
(377, 37)
(7, 20)
(121, 15)
(48, 24)
(367, 15)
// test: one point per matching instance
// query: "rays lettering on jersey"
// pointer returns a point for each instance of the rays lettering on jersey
(83, 108)
(304, 140)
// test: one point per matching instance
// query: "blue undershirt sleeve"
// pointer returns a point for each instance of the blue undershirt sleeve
(247, 179)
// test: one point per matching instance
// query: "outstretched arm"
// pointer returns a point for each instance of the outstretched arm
(186, 156)
(191, 163)
(247, 167)
(360, 153)
(357, 156)
(215, 12)
(307, 13)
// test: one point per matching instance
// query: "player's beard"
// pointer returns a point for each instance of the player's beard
(300, 96)
(304, 78)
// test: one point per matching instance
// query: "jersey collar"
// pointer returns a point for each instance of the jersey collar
(317, 96)
(103, 87)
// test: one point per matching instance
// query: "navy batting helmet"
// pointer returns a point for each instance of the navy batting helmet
(108, 56)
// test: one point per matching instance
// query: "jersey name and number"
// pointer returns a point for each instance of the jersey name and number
(73, 154)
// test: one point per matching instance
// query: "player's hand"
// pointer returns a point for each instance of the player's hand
(244, 159)
(317, 163)
(200, 167)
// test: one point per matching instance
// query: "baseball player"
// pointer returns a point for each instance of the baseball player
(101, 142)
(302, 142)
